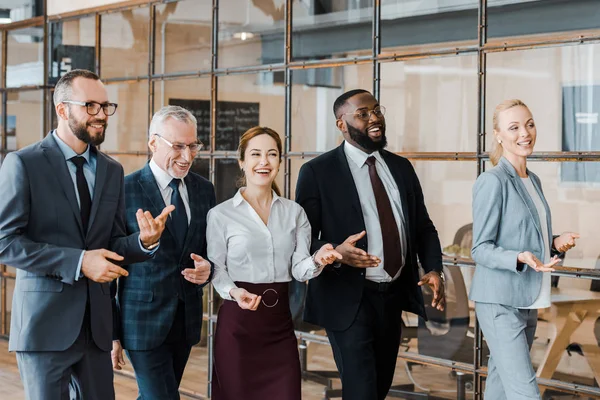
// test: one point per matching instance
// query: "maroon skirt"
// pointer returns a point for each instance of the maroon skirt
(256, 352)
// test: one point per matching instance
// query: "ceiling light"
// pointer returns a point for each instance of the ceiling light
(243, 35)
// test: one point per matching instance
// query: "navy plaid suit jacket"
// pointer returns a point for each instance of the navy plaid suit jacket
(147, 299)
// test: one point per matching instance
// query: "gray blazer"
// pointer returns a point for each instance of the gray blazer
(506, 223)
(41, 235)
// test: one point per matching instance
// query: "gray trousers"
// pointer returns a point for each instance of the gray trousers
(46, 375)
(509, 333)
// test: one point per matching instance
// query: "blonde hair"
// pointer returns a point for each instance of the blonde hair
(497, 151)
(245, 139)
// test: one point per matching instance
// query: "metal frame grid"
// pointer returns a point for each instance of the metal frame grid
(480, 49)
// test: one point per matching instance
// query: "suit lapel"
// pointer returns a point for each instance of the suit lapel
(522, 190)
(57, 161)
(101, 175)
(152, 192)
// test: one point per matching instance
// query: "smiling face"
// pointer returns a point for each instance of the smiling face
(516, 131)
(260, 161)
(368, 133)
(176, 163)
(90, 129)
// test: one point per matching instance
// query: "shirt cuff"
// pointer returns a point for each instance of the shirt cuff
(150, 252)
(78, 273)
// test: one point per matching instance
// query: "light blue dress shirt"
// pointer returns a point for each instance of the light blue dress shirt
(89, 171)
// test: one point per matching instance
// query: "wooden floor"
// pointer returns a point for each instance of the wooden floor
(195, 376)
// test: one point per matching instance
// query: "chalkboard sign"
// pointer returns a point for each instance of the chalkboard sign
(233, 119)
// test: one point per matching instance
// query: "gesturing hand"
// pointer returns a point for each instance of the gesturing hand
(327, 255)
(245, 299)
(566, 241)
(151, 228)
(97, 266)
(201, 271)
(354, 256)
(434, 281)
(528, 258)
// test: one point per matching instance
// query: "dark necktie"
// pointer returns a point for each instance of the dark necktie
(392, 251)
(85, 200)
(179, 217)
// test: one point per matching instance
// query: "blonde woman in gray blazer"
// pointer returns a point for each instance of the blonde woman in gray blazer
(515, 253)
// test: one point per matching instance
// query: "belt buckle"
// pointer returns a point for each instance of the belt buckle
(276, 301)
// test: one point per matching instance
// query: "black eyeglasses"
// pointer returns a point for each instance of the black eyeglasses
(180, 147)
(93, 108)
(365, 115)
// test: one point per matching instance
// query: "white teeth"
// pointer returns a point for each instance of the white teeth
(374, 130)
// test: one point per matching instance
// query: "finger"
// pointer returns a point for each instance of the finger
(355, 238)
(336, 254)
(112, 255)
(575, 235)
(196, 257)
(165, 212)
(327, 246)
(142, 220)
(150, 219)
(117, 270)
(256, 302)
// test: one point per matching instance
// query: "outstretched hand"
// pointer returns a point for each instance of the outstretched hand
(151, 228)
(354, 256)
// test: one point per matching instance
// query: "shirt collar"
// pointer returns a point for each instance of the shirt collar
(357, 156)
(239, 199)
(67, 151)
(162, 177)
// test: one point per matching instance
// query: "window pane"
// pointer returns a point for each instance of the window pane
(191, 94)
(313, 94)
(227, 173)
(130, 163)
(124, 39)
(251, 32)
(559, 85)
(183, 36)
(25, 61)
(527, 17)
(127, 129)
(431, 104)
(24, 118)
(72, 46)
(246, 101)
(201, 166)
(326, 29)
(18, 10)
(417, 23)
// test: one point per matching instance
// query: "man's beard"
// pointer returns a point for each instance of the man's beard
(363, 140)
(80, 131)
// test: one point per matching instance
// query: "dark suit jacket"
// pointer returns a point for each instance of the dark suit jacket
(328, 194)
(148, 297)
(41, 235)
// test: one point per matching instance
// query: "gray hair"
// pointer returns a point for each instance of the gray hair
(177, 113)
(64, 90)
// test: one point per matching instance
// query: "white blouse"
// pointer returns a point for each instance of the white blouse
(244, 249)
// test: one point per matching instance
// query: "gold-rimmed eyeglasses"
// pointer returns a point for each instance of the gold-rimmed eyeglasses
(365, 115)
(180, 147)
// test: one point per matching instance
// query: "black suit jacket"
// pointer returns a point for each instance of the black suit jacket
(328, 194)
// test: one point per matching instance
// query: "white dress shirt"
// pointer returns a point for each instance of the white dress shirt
(544, 298)
(163, 179)
(244, 249)
(360, 173)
